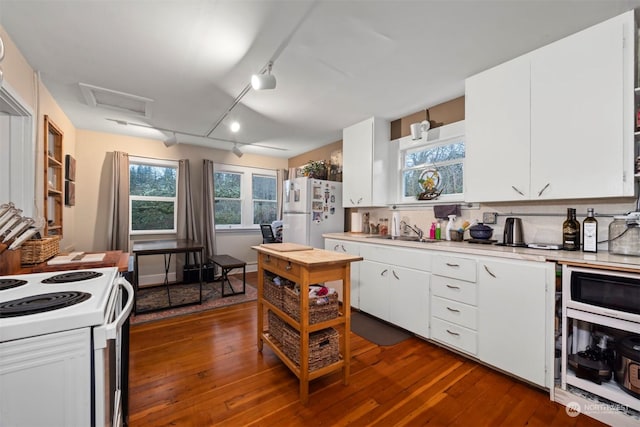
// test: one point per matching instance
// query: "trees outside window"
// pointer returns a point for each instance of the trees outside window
(153, 196)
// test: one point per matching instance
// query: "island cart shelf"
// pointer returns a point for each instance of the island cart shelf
(305, 266)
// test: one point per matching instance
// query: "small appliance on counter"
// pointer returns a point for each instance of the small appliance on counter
(624, 234)
(513, 233)
(595, 363)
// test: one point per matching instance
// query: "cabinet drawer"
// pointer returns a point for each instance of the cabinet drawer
(281, 266)
(457, 268)
(455, 312)
(456, 336)
(453, 289)
(411, 258)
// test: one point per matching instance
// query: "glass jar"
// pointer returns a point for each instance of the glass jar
(624, 235)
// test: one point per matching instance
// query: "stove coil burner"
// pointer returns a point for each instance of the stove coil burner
(11, 283)
(72, 276)
(40, 303)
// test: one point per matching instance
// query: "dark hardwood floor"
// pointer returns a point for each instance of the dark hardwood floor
(204, 369)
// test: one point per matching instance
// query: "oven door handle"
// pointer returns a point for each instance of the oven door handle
(109, 331)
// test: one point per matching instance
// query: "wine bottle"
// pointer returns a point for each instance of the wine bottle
(571, 232)
(590, 232)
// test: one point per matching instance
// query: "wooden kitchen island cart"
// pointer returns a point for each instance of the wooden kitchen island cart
(304, 266)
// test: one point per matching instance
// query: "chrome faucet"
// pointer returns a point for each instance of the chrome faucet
(415, 229)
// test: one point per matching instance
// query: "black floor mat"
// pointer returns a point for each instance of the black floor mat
(375, 330)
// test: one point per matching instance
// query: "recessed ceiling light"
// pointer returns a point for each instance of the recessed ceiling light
(235, 126)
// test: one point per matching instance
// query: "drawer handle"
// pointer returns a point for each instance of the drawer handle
(267, 258)
(384, 272)
(288, 266)
(343, 249)
(453, 333)
(335, 248)
(395, 275)
(452, 286)
(488, 271)
(453, 310)
(453, 265)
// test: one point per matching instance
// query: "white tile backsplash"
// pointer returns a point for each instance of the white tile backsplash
(542, 221)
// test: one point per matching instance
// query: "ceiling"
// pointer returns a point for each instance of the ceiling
(336, 62)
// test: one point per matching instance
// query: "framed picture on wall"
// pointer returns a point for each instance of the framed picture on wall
(70, 168)
(69, 193)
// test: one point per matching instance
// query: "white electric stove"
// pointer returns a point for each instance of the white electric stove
(61, 347)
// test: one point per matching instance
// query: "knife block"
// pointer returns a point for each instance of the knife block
(9, 260)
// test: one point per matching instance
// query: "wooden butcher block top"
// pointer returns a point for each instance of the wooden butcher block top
(305, 255)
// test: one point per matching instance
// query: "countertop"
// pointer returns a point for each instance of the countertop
(600, 259)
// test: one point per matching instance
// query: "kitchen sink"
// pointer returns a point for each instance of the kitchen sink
(404, 238)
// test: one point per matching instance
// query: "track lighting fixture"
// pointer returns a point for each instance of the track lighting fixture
(235, 150)
(264, 81)
(171, 141)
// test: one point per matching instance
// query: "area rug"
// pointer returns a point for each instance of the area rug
(156, 299)
(375, 330)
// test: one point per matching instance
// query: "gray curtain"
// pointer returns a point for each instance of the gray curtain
(208, 209)
(187, 226)
(118, 227)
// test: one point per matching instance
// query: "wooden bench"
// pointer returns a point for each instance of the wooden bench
(226, 264)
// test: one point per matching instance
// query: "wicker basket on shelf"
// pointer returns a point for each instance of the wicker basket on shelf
(320, 308)
(36, 251)
(324, 345)
(272, 292)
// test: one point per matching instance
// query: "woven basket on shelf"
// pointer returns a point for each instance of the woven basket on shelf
(36, 251)
(272, 292)
(317, 312)
(324, 345)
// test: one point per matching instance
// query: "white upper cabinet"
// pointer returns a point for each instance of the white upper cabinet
(365, 147)
(556, 123)
(498, 127)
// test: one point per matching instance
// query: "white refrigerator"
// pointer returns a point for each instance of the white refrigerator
(311, 207)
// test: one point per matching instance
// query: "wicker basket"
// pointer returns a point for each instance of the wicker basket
(272, 292)
(39, 250)
(317, 312)
(324, 345)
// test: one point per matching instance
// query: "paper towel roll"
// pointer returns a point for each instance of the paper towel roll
(356, 222)
(395, 224)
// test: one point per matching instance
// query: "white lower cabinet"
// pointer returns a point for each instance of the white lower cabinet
(513, 323)
(392, 290)
(350, 248)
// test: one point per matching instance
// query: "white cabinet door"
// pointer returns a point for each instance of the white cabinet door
(497, 133)
(365, 148)
(374, 289)
(350, 248)
(577, 114)
(512, 324)
(408, 296)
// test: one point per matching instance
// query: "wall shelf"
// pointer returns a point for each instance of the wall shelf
(53, 178)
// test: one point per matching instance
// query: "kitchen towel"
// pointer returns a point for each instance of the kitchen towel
(443, 211)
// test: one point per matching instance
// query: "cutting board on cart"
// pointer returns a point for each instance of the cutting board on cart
(286, 247)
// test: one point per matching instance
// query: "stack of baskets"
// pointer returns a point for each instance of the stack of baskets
(324, 345)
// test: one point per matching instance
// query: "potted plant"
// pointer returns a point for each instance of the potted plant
(315, 169)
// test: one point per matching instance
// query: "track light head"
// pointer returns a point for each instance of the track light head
(264, 81)
(235, 150)
(171, 141)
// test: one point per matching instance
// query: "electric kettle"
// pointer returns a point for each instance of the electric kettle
(513, 234)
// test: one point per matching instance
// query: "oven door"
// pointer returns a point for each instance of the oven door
(107, 352)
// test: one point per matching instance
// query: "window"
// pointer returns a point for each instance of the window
(153, 196)
(446, 156)
(244, 197)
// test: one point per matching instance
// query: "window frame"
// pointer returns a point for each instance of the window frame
(408, 145)
(246, 193)
(160, 163)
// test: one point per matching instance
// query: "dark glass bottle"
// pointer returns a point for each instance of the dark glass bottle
(590, 232)
(571, 232)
